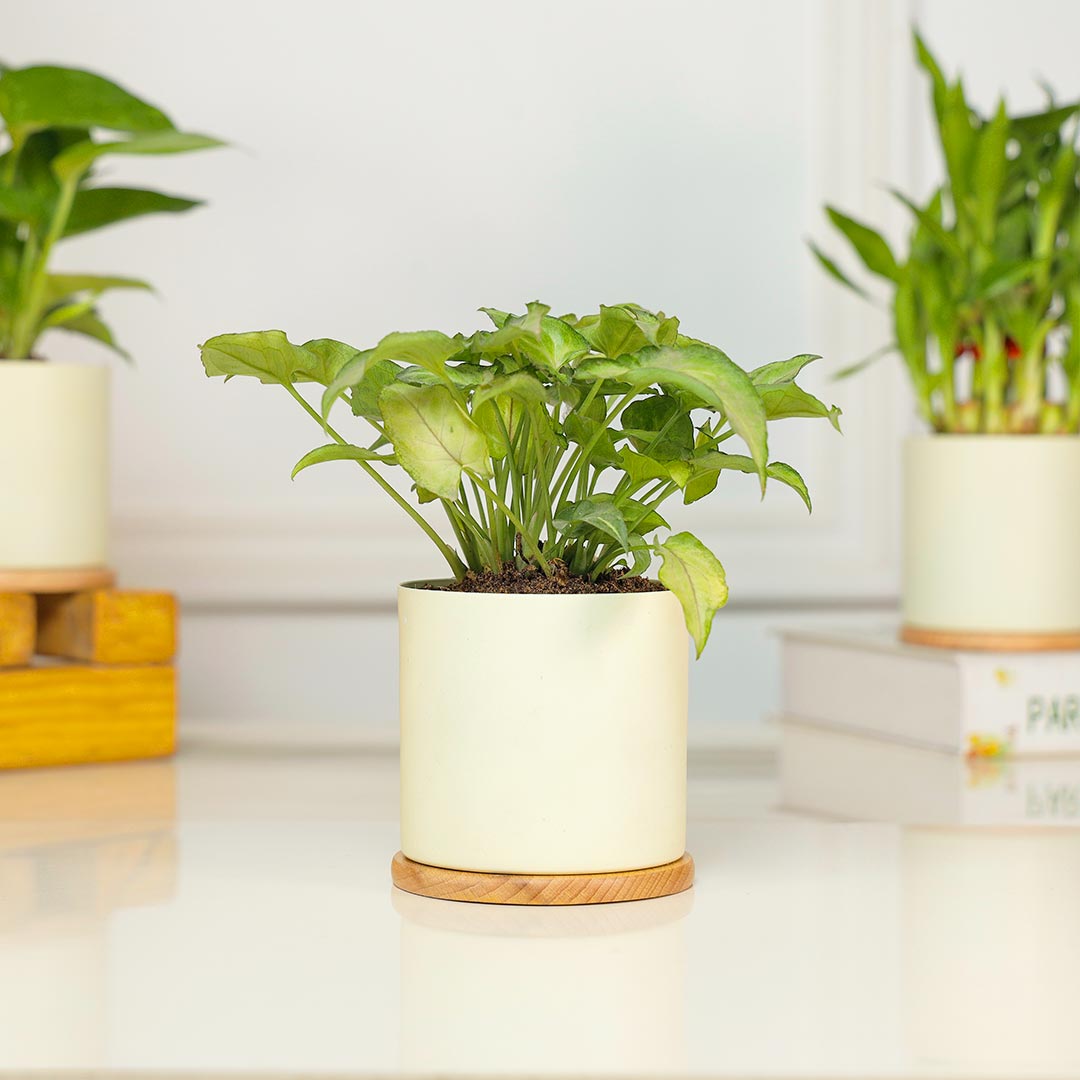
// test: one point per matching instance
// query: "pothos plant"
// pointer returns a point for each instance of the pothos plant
(58, 123)
(550, 443)
(986, 301)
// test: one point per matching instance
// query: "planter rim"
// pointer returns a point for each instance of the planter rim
(982, 437)
(418, 585)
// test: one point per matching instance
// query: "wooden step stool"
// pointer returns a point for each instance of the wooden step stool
(86, 671)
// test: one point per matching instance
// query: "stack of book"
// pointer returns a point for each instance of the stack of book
(875, 729)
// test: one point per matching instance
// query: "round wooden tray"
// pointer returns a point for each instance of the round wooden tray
(992, 641)
(56, 581)
(542, 889)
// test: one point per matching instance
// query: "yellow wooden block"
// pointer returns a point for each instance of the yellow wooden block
(65, 714)
(107, 626)
(16, 629)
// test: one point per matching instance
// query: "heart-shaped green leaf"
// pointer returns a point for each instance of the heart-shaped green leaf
(433, 439)
(696, 577)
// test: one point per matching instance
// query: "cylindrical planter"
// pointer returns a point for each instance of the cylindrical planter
(542, 734)
(990, 531)
(54, 466)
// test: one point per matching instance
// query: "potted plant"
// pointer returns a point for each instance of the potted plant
(986, 317)
(57, 123)
(544, 682)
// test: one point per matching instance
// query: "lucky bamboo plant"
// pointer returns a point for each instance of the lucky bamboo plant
(986, 303)
(550, 443)
(57, 124)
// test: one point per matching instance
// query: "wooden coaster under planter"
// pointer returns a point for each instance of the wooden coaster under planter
(56, 581)
(542, 889)
(992, 641)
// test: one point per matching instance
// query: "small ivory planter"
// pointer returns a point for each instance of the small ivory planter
(991, 527)
(54, 466)
(542, 734)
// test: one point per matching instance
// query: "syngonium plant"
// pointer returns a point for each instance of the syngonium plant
(57, 123)
(550, 443)
(986, 302)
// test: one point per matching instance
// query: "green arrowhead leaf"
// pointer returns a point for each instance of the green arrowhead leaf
(266, 355)
(715, 462)
(785, 400)
(340, 452)
(712, 378)
(364, 395)
(519, 384)
(327, 357)
(433, 439)
(659, 427)
(781, 371)
(601, 514)
(643, 470)
(543, 340)
(696, 577)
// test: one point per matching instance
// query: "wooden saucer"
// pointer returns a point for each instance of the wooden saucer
(542, 889)
(76, 579)
(991, 641)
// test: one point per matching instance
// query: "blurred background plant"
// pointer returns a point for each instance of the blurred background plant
(986, 304)
(57, 123)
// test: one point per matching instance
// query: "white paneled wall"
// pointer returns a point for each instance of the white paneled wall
(398, 164)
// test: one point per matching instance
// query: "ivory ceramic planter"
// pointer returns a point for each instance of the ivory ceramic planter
(991, 526)
(54, 466)
(542, 734)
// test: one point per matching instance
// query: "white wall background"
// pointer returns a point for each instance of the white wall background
(398, 164)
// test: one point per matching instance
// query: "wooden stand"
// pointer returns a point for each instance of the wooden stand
(993, 641)
(85, 676)
(542, 889)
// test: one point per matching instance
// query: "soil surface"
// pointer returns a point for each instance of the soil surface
(532, 580)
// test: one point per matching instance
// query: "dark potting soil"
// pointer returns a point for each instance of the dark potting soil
(531, 580)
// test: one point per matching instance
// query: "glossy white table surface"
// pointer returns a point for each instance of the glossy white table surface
(231, 911)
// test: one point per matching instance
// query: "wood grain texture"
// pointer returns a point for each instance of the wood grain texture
(51, 581)
(16, 629)
(66, 714)
(990, 641)
(107, 626)
(542, 889)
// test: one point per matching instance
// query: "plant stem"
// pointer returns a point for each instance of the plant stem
(32, 300)
(448, 553)
(526, 537)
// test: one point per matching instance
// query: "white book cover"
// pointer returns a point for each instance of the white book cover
(964, 702)
(837, 774)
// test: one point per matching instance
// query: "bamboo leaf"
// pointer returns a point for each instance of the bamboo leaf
(44, 96)
(74, 161)
(836, 272)
(95, 208)
(869, 245)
